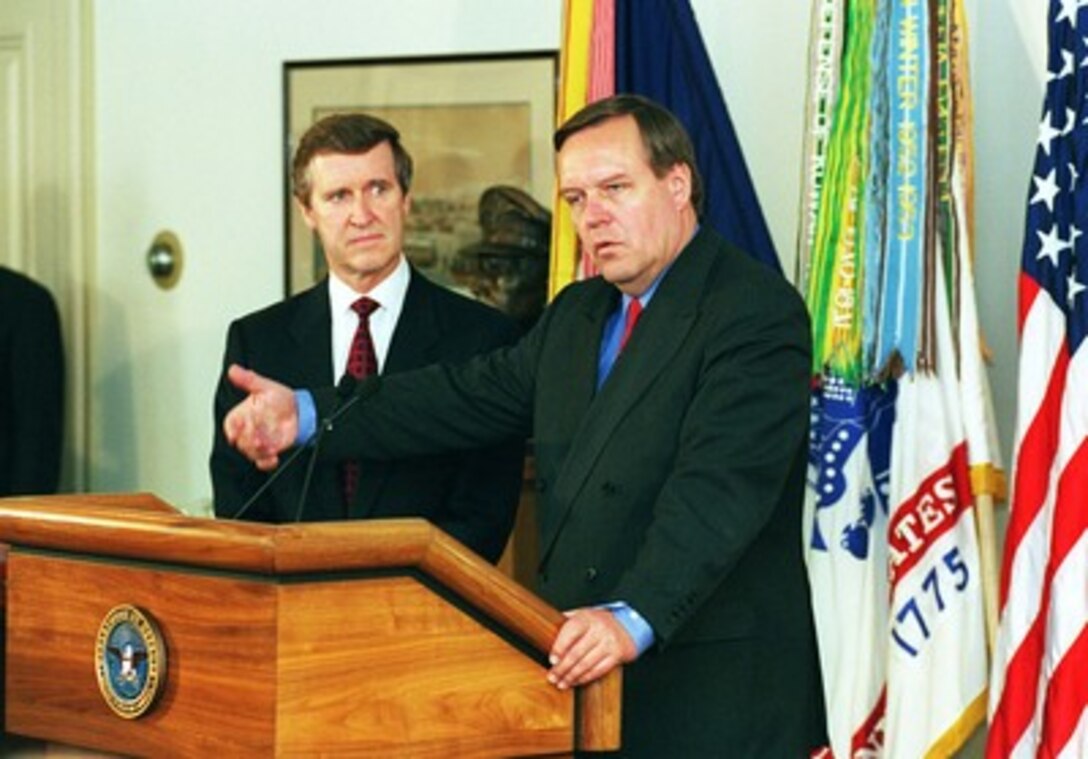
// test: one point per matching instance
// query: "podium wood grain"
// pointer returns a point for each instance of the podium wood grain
(381, 638)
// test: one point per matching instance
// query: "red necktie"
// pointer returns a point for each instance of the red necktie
(634, 310)
(362, 362)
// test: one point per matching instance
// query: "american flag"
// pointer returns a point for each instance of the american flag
(1039, 684)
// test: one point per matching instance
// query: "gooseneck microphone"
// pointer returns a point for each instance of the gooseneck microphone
(346, 398)
(268, 482)
(348, 393)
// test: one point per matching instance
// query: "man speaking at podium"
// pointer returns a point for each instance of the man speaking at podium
(373, 314)
(668, 400)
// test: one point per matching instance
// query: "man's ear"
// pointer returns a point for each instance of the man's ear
(679, 183)
(307, 212)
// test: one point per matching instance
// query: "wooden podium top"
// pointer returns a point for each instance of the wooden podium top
(143, 528)
(140, 525)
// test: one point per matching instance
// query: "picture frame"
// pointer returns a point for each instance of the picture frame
(469, 122)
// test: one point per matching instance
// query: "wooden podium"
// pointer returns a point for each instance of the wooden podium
(380, 638)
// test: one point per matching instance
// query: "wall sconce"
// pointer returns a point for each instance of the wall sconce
(164, 259)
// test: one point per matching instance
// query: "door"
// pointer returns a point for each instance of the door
(45, 73)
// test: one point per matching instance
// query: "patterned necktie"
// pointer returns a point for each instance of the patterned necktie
(634, 310)
(362, 362)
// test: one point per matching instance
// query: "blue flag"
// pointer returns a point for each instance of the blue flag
(660, 54)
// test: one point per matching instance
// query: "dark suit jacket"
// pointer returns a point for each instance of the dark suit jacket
(31, 387)
(471, 495)
(676, 488)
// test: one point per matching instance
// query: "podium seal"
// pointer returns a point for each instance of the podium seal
(129, 660)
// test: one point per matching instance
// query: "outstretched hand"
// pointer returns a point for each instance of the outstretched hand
(266, 423)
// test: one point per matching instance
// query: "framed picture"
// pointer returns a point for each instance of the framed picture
(470, 124)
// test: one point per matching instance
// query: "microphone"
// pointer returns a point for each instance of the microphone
(344, 388)
(268, 482)
(346, 398)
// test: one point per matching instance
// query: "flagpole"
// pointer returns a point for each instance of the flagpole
(987, 542)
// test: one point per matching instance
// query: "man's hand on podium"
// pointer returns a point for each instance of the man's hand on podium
(590, 644)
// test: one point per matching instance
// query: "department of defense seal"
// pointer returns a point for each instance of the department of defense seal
(130, 661)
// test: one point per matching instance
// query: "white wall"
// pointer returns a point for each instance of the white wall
(189, 124)
(1009, 69)
(188, 138)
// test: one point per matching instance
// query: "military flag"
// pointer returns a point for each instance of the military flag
(885, 261)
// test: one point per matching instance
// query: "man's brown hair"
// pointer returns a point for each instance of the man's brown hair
(347, 133)
(666, 141)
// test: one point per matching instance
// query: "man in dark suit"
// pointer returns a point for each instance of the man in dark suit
(351, 181)
(31, 387)
(670, 451)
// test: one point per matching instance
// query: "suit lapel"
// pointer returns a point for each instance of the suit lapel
(419, 330)
(310, 334)
(584, 350)
(310, 353)
(662, 330)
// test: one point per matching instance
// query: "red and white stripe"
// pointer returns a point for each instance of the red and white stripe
(1039, 684)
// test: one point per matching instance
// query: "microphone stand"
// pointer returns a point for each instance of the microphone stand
(325, 426)
(268, 482)
(345, 388)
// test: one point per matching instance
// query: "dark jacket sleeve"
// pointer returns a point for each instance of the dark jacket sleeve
(443, 407)
(35, 369)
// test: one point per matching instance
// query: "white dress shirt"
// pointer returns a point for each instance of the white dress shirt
(389, 294)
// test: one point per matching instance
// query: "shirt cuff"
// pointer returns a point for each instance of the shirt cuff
(633, 622)
(307, 416)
